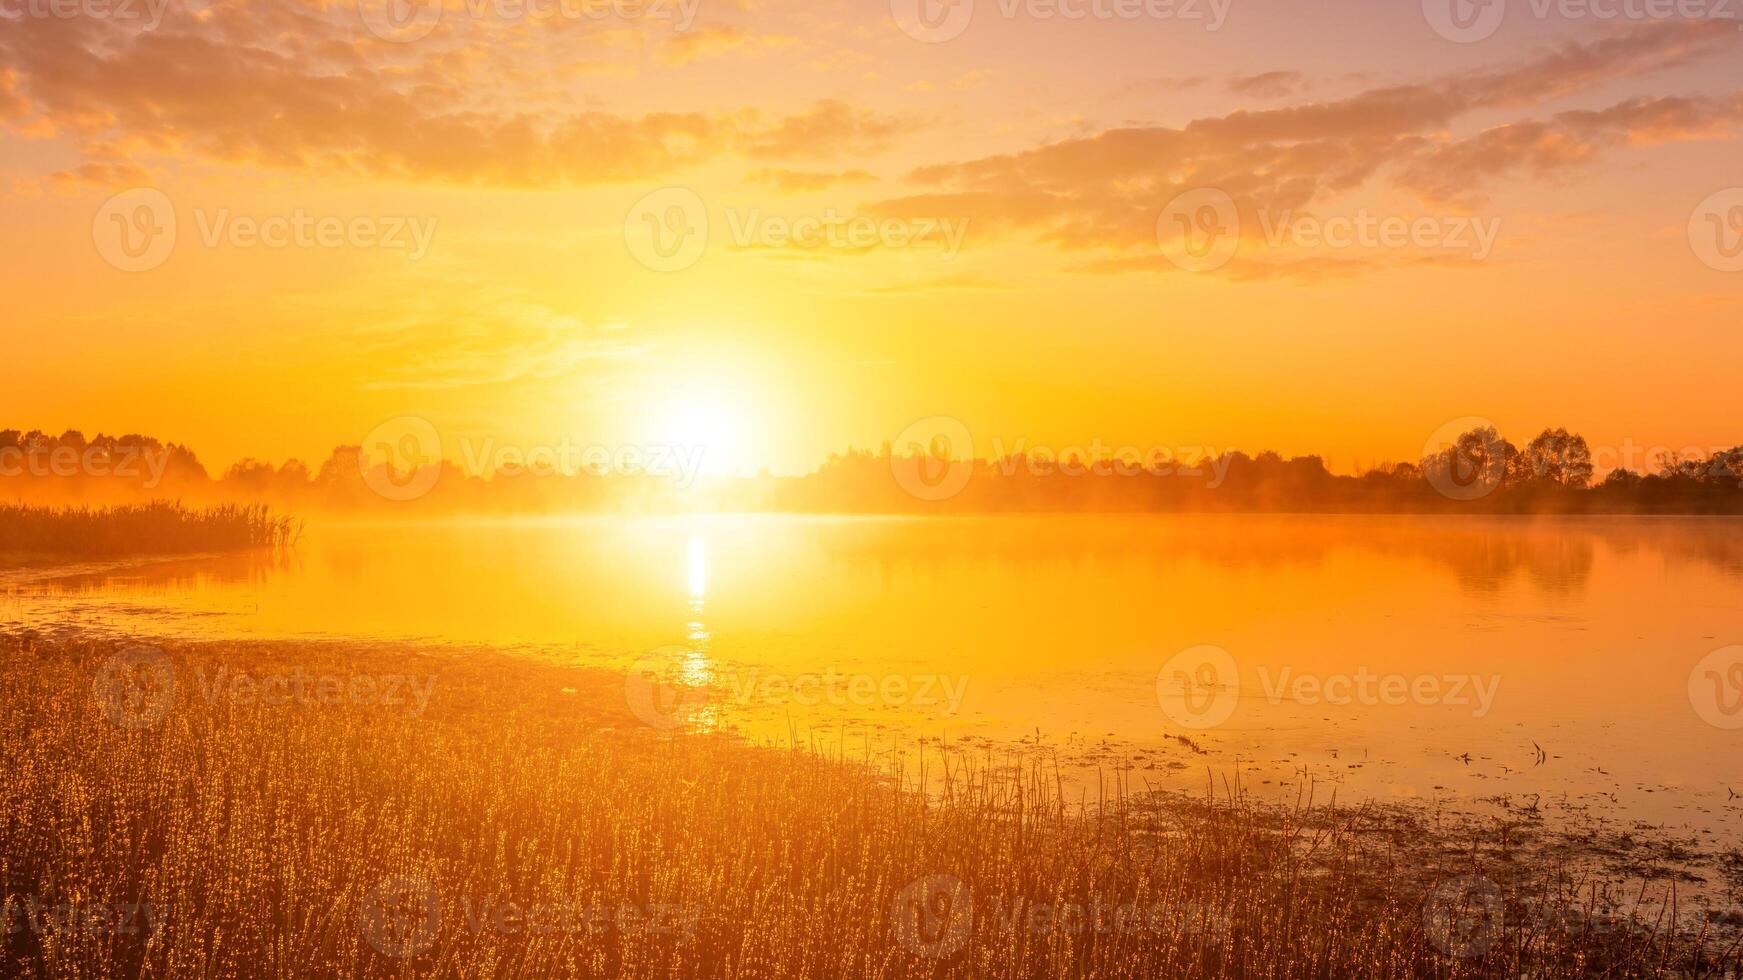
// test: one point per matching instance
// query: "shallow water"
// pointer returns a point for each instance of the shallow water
(1388, 657)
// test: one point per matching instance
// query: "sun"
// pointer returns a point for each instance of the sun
(708, 423)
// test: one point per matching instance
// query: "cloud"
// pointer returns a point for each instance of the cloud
(965, 82)
(1104, 191)
(277, 84)
(1169, 83)
(206, 88)
(1446, 172)
(935, 284)
(101, 175)
(831, 128)
(297, 87)
(497, 340)
(1305, 270)
(1268, 85)
(799, 181)
(714, 40)
(12, 105)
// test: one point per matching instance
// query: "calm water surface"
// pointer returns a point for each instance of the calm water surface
(1579, 636)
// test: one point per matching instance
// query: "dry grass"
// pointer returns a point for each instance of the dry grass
(159, 527)
(261, 836)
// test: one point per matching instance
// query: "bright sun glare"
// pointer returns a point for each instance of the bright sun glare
(711, 423)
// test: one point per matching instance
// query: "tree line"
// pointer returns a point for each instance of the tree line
(1479, 471)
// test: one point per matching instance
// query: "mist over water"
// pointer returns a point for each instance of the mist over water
(1383, 656)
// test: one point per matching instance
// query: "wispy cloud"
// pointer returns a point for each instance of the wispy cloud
(798, 181)
(1104, 191)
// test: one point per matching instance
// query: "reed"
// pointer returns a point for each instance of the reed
(159, 527)
(518, 823)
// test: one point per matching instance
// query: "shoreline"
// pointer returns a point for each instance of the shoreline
(409, 790)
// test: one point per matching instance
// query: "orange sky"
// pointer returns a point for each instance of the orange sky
(996, 211)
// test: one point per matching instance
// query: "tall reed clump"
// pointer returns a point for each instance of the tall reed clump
(159, 527)
(278, 810)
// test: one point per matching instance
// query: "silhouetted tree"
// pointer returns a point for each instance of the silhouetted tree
(1478, 457)
(1560, 458)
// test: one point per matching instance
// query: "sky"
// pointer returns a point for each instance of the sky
(267, 228)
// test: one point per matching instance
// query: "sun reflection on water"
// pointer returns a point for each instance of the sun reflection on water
(697, 670)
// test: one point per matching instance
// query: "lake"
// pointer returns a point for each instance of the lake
(1572, 662)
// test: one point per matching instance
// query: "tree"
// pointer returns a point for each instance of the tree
(1475, 464)
(1722, 468)
(1559, 458)
(1622, 479)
